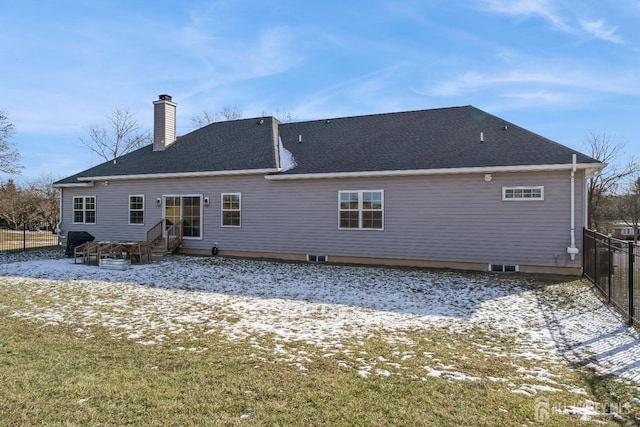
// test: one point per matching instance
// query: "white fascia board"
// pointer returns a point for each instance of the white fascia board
(178, 175)
(449, 171)
(74, 184)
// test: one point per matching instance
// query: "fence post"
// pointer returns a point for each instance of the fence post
(632, 256)
(24, 237)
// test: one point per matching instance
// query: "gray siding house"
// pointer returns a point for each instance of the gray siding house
(451, 187)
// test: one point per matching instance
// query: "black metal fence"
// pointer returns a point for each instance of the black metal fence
(26, 237)
(614, 268)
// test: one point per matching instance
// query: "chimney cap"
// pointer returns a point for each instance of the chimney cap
(164, 97)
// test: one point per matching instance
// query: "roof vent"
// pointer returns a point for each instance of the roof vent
(481, 136)
(261, 121)
(505, 127)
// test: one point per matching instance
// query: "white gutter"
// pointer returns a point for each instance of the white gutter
(572, 250)
(87, 179)
(74, 184)
(444, 171)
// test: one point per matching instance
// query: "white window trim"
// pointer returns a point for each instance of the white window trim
(523, 199)
(360, 210)
(84, 209)
(164, 212)
(136, 210)
(223, 210)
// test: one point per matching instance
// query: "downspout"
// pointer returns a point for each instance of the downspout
(57, 229)
(572, 250)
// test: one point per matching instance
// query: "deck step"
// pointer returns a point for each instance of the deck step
(159, 246)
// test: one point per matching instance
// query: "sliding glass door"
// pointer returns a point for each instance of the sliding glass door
(185, 209)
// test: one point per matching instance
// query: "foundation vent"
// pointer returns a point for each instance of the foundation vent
(504, 268)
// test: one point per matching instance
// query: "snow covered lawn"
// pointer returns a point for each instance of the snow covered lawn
(298, 313)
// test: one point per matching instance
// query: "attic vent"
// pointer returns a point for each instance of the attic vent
(504, 268)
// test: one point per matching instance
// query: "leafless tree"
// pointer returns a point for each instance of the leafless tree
(233, 113)
(282, 115)
(608, 181)
(9, 155)
(34, 203)
(46, 200)
(628, 208)
(120, 135)
(228, 112)
(16, 205)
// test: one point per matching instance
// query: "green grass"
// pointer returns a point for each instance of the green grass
(71, 374)
(55, 376)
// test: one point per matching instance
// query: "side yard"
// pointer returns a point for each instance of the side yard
(21, 239)
(214, 341)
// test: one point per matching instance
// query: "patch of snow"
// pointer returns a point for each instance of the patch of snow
(383, 372)
(287, 161)
(449, 375)
(273, 306)
(363, 373)
(584, 412)
(526, 390)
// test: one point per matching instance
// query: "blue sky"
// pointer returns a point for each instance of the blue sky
(560, 68)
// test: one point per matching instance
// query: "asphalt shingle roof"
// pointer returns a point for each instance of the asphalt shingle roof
(426, 139)
(222, 146)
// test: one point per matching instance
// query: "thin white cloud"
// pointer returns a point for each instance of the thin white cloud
(219, 57)
(538, 85)
(474, 81)
(374, 92)
(567, 18)
(527, 8)
(540, 97)
(597, 29)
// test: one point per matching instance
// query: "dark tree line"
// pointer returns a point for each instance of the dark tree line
(35, 203)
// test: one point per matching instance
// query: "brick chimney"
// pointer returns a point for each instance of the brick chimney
(164, 123)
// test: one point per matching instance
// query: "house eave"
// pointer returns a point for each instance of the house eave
(174, 175)
(73, 184)
(588, 167)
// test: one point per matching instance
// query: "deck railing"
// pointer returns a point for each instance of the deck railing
(155, 233)
(174, 236)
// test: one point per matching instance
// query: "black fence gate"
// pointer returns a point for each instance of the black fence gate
(26, 237)
(613, 266)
